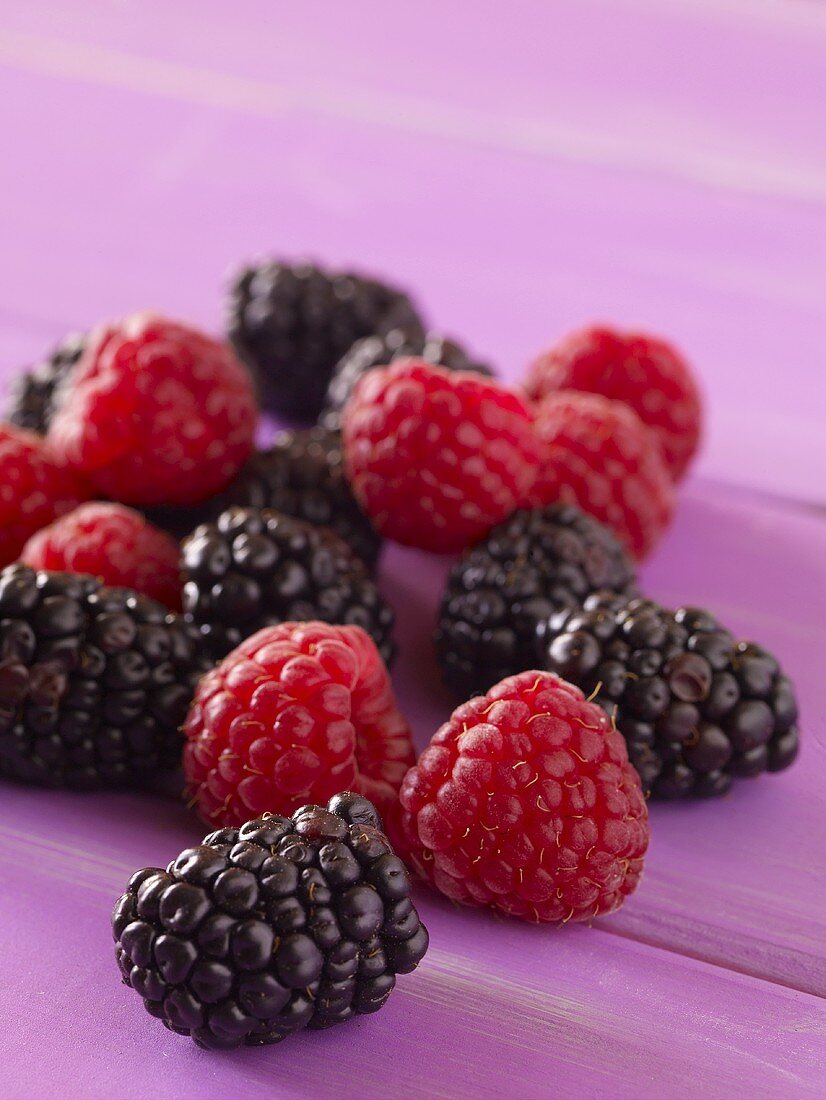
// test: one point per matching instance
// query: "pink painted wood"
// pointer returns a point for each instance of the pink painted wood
(648, 163)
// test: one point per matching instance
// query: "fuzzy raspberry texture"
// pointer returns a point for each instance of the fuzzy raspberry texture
(113, 543)
(36, 486)
(437, 458)
(297, 712)
(643, 372)
(600, 456)
(155, 413)
(524, 801)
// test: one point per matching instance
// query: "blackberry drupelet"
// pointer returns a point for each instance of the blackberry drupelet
(697, 708)
(293, 322)
(95, 681)
(31, 399)
(255, 567)
(533, 564)
(302, 475)
(378, 351)
(282, 924)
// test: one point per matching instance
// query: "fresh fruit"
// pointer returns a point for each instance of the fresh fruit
(696, 707)
(293, 322)
(647, 374)
(437, 458)
(94, 681)
(525, 802)
(155, 413)
(113, 543)
(254, 568)
(36, 487)
(534, 563)
(302, 474)
(279, 925)
(600, 456)
(32, 394)
(379, 351)
(297, 712)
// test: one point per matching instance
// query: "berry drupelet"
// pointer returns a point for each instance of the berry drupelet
(697, 708)
(95, 681)
(254, 568)
(32, 395)
(533, 564)
(262, 930)
(293, 322)
(378, 351)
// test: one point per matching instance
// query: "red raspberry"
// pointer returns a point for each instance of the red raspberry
(436, 457)
(600, 456)
(294, 714)
(155, 412)
(35, 487)
(114, 543)
(524, 801)
(641, 371)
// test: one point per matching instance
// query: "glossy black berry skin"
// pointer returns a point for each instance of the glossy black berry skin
(697, 708)
(31, 400)
(282, 924)
(255, 567)
(293, 322)
(94, 681)
(535, 563)
(378, 351)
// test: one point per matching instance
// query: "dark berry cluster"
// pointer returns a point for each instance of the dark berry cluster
(696, 708)
(293, 322)
(279, 925)
(535, 563)
(32, 393)
(95, 681)
(255, 567)
(378, 351)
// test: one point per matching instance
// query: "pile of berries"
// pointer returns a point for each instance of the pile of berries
(254, 653)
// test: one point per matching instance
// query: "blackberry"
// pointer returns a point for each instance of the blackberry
(255, 567)
(293, 322)
(696, 708)
(378, 351)
(95, 681)
(282, 924)
(31, 399)
(533, 564)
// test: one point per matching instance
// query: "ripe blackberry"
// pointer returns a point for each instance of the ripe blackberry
(533, 564)
(293, 322)
(378, 351)
(696, 707)
(31, 398)
(302, 475)
(282, 924)
(95, 681)
(254, 568)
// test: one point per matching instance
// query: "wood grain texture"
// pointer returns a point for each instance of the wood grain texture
(651, 163)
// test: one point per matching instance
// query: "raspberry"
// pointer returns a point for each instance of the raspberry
(279, 925)
(499, 592)
(114, 543)
(32, 395)
(293, 322)
(35, 488)
(380, 351)
(643, 372)
(296, 712)
(437, 458)
(525, 802)
(600, 456)
(697, 708)
(155, 412)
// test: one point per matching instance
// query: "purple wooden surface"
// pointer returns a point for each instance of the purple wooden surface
(650, 163)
